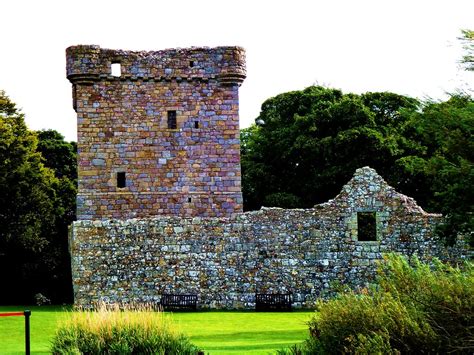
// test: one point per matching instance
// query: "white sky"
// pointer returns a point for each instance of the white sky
(407, 47)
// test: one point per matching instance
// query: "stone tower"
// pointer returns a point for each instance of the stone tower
(158, 132)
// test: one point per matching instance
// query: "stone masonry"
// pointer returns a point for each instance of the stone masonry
(159, 202)
(161, 135)
(227, 260)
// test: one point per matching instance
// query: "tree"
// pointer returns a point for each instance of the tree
(34, 205)
(443, 168)
(59, 155)
(26, 185)
(312, 141)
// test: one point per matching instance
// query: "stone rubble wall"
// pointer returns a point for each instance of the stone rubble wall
(226, 260)
(193, 170)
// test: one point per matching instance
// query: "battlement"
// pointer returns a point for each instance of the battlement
(89, 63)
(159, 135)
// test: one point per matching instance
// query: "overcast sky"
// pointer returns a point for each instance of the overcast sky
(407, 47)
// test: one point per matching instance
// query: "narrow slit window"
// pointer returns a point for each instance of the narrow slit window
(191, 63)
(74, 97)
(121, 179)
(172, 119)
(116, 69)
(189, 199)
(366, 227)
(196, 124)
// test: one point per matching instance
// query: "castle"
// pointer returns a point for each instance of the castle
(158, 132)
(160, 203)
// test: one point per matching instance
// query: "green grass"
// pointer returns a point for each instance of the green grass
(243, 332)
(43, 322)
(215, 332)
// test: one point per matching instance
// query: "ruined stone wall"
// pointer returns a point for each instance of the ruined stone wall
(225, 261)
(190, 170)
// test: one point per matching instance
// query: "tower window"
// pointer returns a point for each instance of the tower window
(172, 119)
(191, 63)
(196, 124)
(115, 69)
(121, 179)
(74, 97)
(366, 226)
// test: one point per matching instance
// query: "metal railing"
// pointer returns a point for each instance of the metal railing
(26, 314)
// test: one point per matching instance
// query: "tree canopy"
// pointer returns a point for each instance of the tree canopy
(440, 171)
(59, 155)
(313, 140)
(27, 192)
(36, 205)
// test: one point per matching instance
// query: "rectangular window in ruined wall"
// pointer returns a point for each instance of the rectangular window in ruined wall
(366, 226)
(172, 119)
(121, 180)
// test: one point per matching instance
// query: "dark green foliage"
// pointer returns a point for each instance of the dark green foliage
(26, 191)
(313, 140)
(282, 199)
(59, 155)
(27, 199)
(36, 205)
(440, 171)
(414, 308)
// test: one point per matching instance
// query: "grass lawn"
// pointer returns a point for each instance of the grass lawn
(243, 332)
(43, 322)
(215, 332)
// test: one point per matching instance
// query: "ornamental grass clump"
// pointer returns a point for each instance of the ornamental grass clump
(117, 330)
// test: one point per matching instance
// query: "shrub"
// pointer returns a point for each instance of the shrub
(110, 330)
(441, 293)
(413, 308)
(357, 320)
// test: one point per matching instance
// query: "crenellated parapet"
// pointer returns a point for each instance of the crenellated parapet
(89, 63)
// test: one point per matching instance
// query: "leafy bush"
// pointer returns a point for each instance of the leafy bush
(414, 308)
(442, 294)
(114, 331)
